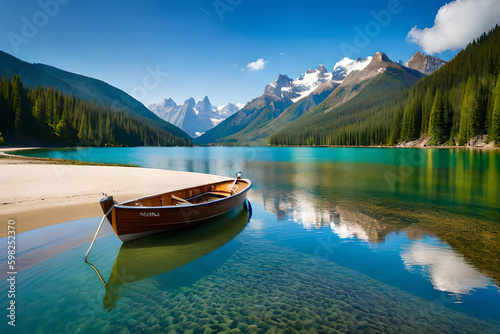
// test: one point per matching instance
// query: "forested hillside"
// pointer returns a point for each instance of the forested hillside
(82, 87)
(365, 119)
(47, 116)
(460, 100)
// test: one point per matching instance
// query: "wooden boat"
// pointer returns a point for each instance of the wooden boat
(175, 209)
(161, 253)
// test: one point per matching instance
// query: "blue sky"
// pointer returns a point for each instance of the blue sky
(180, 48)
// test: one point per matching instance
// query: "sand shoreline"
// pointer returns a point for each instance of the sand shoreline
(37, 192)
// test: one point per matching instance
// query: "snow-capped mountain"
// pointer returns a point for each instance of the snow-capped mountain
(309, 81)
(229, 109)
(205, 108)
(286, 88)
(347, 65)
(285, 99)
(226, 110)
(163, 108)
(193, 117)
(424, 63)
(314, 84)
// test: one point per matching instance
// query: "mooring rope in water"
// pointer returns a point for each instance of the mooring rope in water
(98, 274)
(97, 232)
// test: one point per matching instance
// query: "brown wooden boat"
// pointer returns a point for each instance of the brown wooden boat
(175, 209)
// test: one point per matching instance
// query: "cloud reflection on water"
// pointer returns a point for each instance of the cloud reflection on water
(447, 270)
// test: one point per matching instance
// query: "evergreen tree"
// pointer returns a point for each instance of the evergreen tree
(478, 118)
(39, 111)
(495, 121)
(3, 113)
(395, 131)
(63, 129)
(467, 116)
(83, 131)
(447, 119)
(16, 92)
(436, 121)
(409, 129)
(427, 104)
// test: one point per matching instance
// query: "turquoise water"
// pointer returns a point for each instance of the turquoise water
(341, 239)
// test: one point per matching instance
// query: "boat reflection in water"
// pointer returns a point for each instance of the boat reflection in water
(158, 254)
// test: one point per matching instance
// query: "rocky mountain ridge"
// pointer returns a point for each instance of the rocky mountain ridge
(193, 117)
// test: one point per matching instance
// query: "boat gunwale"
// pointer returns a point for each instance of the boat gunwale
(183, 206)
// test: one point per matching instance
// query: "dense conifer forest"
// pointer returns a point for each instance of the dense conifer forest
(454, 104)
(46, 116)
(460, 100)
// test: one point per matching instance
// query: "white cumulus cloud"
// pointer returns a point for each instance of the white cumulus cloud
(257, 65)
(457, 24)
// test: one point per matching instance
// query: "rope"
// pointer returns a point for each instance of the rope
(98, 274)
(97, 232)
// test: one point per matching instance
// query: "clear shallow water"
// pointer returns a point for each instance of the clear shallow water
(349, 239)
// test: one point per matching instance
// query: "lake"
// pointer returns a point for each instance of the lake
(340, 239)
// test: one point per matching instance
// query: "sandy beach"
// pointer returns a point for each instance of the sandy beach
(40, 192)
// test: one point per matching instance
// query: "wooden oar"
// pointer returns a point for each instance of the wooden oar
(233, 189)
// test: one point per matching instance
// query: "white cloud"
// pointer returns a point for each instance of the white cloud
(457, 24)
(257, 65)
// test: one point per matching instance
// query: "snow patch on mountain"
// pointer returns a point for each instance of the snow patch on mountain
(294, 90)
(285, 88)
(309, 81)
(347, 65)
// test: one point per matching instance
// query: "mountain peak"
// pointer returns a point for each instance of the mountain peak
(321, 69)
(283, 78)
(379, 64)
(279, 86)
(190, 102)
(169, 101)
(205, 108)
(380, 56)
(204, 104)
(424, 63)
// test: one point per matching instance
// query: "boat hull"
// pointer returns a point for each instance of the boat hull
(133, 222)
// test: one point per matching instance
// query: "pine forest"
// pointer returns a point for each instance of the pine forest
(48, 117)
